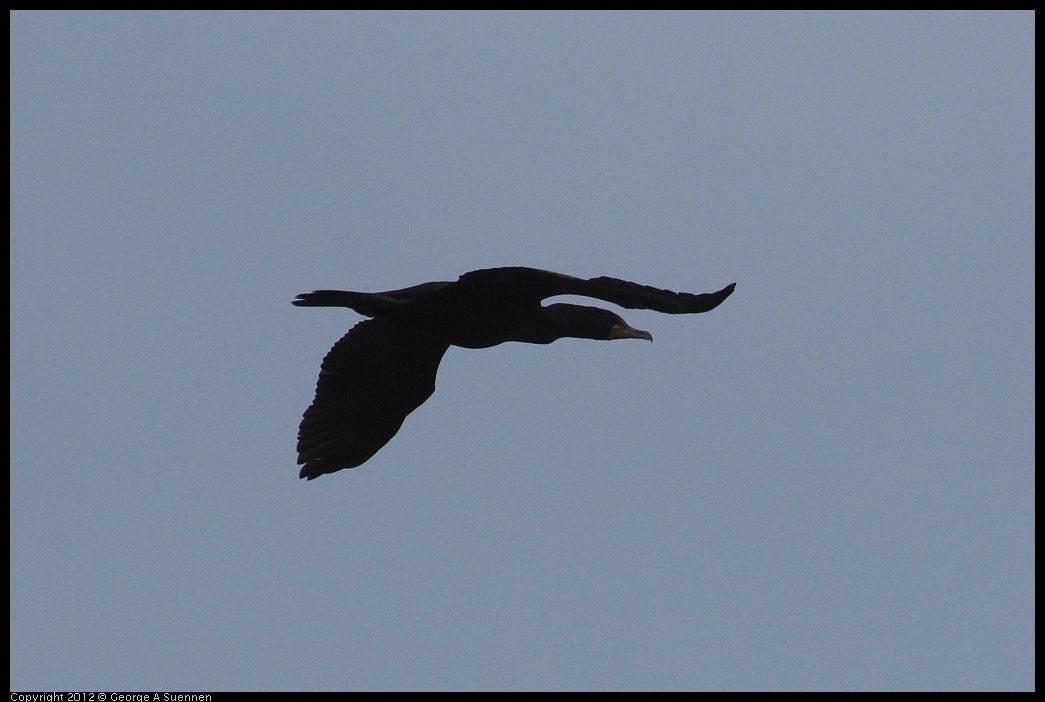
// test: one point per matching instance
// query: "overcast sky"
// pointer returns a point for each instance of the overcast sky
(825, 483)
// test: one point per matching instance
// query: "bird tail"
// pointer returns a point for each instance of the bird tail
(368, 304)
(329, 298)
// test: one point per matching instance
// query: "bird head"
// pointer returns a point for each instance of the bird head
(583, 322)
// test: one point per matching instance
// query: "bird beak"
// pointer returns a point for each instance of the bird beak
(623, 331)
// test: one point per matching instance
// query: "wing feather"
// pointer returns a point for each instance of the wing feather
(536, 284)
(369, 382)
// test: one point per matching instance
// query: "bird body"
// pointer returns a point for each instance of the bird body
(385, 367)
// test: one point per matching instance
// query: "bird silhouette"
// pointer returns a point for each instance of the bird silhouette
(384, 367)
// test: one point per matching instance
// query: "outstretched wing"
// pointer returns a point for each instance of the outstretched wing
(536, 284)
(371, 379)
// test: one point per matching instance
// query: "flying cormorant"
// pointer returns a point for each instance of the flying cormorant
(385, 367)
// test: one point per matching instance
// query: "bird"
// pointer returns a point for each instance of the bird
(385, 366)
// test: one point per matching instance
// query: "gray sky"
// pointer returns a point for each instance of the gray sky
(826, 483)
